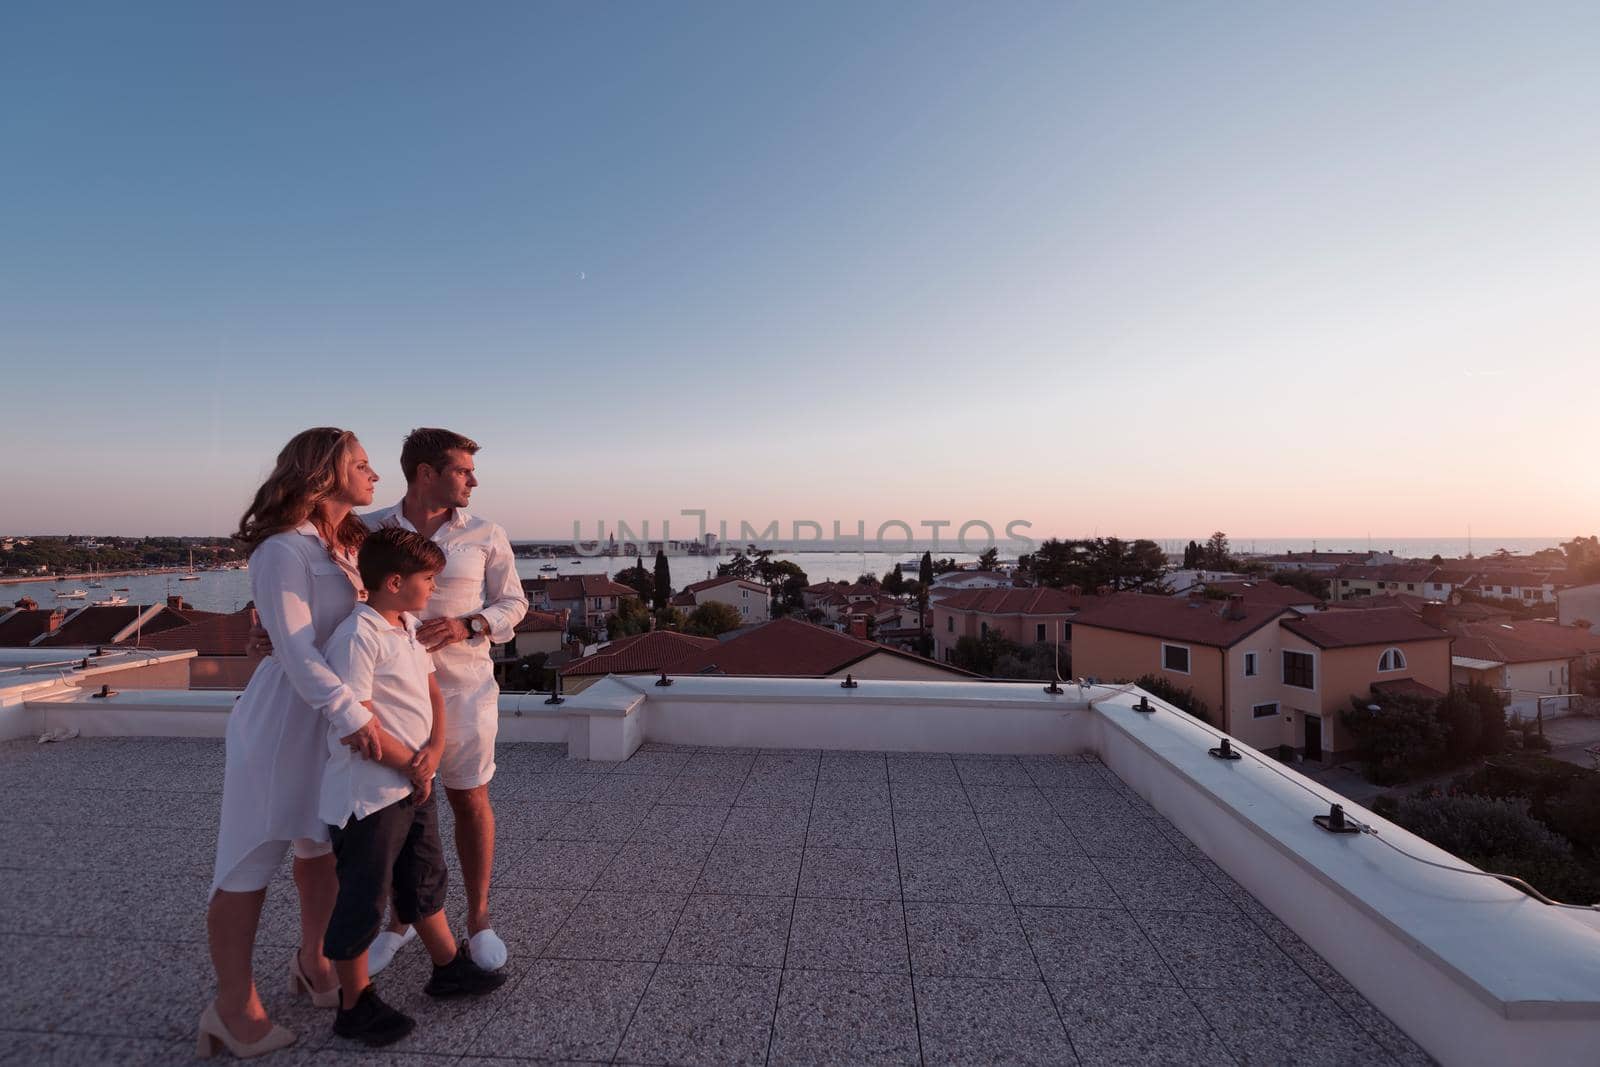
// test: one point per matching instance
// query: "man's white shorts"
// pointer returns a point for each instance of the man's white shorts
(472, 719)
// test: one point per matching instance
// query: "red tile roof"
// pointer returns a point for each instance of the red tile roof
(1391, 572)
(212, 635)
(1408, 687)
(536, 621)
(576, 587)
(1523, 642)
(1190, 619)
(1351, 629)
(640, 653)
(787, 646)
(1255, 592)
(710, 583)
(1000, 601)
(20, 627)
(1530, 579)
(100, 625)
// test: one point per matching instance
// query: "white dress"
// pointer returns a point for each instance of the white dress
(278, 730)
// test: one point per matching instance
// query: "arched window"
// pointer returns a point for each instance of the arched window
(1392, 660)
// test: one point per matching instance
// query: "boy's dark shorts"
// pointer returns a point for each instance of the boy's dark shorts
(393, 853)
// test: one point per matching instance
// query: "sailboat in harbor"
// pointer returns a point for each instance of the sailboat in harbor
(191, 576)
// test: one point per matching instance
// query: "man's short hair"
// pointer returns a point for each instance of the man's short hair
(391, 550)
(432, 446)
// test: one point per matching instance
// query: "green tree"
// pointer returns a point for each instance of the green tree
(894, 582)
(1401, 740)
(670, 618)
(712, 618)
(1216, 554)
(982, 655)
(661, 587)
(638, 579)
(631, 617)
(925, 570)
(1182, 699)
(989, 558)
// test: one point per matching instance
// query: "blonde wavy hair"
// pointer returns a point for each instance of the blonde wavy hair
(308, 471)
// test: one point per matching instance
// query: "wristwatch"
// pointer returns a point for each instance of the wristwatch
(475, 624)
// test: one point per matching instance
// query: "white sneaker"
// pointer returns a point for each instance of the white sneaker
(487, 950)
(384, 946)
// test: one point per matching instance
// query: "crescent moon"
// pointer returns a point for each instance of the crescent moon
(582, 276)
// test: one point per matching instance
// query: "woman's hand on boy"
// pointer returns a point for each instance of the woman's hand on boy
(437, 633)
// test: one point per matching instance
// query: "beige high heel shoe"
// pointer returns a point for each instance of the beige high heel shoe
(299, 983)
(214, 1033)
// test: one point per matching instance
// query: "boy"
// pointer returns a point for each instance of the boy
(384, 822)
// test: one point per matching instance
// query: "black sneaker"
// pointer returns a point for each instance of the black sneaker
(372, 1022)
(463, 978)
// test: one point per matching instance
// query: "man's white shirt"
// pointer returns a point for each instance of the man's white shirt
(387, 665)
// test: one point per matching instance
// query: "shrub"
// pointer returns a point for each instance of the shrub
(1404, 739)
(1500, 836)
(1178, 697)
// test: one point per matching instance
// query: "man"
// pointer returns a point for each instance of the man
(477, 599)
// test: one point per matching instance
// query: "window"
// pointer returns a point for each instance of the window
(1410, 586)
(1066, 631)
(1175, 658)
(983, 629)
(745, 593)
(1264, 711)
(1039, 633)
(1299, 670)
(1505, 589)
(1249, 664)
(1392, 660)
(1380, 585)
(950, 624)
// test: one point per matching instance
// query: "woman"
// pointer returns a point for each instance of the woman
(302, 535)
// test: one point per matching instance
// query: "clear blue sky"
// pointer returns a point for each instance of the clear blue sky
(1278, 269)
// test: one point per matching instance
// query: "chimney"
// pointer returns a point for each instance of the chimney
(27, 603)
(53, 623)
(1234, 609)
(858, 626)
(1432, 613)
(176, 603)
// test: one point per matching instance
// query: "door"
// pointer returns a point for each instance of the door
(1313, 736)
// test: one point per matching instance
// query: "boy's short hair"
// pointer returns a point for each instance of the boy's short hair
(432, 446)
(392, 550)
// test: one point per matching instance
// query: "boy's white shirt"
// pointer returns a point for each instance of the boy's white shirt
(388, 666)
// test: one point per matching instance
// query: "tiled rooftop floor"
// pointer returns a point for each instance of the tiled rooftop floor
(698, 906)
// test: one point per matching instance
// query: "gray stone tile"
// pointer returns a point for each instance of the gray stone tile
(1093, 945)
(959, 875)
(648, 866)
(989, 1020)
(560, 864)
(1296, 1025)
(442, 1027)
(930, 796)
(1127, 1026)
(1077, 806)
(851, 829)
(849, 935)
(71, 1050)
(630, 788)
(968, 941)
(930, 770)
(782, 827)
(597, 822)
(849, 793)
(572, 765)
(734, 931)
(706, 790)
(791, 765)
(759, 870)
(776, 792)
(719, 764)
(1026, 799)
(654, 762)
(521, 821)
(618, 926)
(132, 808)
(850, 872)
(668, 823)
(524, 919)
(937, 829)
(664, 746)
(1054, 879)
(695, 1014)
(844, 1017)
(845, 767)
(564, 785)
(1158, 883)
(1219, 951)
(1006, 831)
(566, 1009)
(1133, 837)
(1003, 771)
(1072, 775)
